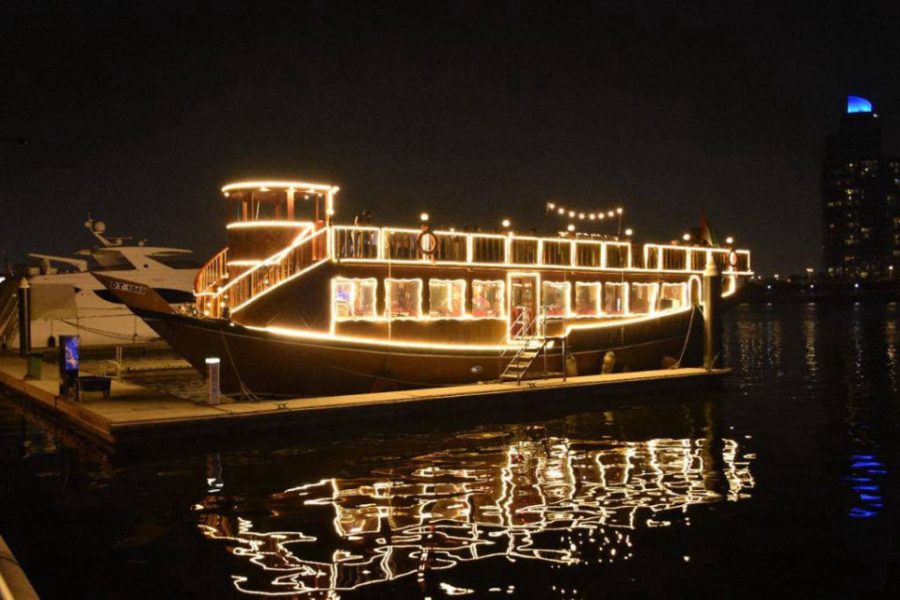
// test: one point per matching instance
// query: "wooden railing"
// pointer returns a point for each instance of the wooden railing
(224, 296)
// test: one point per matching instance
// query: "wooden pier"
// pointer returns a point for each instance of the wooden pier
(134, 414)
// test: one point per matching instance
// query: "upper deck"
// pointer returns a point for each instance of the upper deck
(283, 229)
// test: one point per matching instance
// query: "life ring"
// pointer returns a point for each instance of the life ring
(733, 259)
(427, 243)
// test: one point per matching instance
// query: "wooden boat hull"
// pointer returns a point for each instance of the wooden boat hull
(257, 362)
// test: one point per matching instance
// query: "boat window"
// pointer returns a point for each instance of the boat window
(615, 298)
(176, 260)
(448, 298)
(587, 298)
(673, 295)
(403, 297)
(555, 298)
(353, 298)
(111, 260)
(643, 297)
(487, 298)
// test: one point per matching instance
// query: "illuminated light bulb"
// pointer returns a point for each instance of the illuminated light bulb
(619, 210)
(729, 240)
(581, 216)
(611, 214)
(571, 227)
(572, 213)
(551, 206)
(629, 232)
(686, 237)
(506, 222)
(592, 216)
(424, 217)
(561, 211)
(601, 216)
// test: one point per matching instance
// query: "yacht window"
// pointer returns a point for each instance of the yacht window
(448, 298)
(487, 298)
(403, 297)
(673, 295)
(555, 298)
(587, 298)
(643, 297)
(354, 298)
(111, 260)
(177, 260)
(615, 298)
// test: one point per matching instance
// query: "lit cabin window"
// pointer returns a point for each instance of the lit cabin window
(643, 298)
(587, 299)
(447, 298)
(487, 298)
(673, 295)
(403, 298)
(615, 298)
(353, 298)
(555, 298)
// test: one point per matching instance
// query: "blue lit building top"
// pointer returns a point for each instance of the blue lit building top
(858, 104)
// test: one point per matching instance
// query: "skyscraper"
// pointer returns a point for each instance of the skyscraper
(860, 197)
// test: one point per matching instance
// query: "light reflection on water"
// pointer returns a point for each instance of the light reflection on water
(609, 499)
(557, 500)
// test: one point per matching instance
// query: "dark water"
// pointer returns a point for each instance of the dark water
(786, 480)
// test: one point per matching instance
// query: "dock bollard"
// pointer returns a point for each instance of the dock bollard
(712, 317)
(212, 366)
(24, 298)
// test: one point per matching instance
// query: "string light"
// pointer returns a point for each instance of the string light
(575, 213)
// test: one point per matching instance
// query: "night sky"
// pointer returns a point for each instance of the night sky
(473, 111)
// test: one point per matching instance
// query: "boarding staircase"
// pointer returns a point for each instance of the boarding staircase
(9, 313)
(528, 345)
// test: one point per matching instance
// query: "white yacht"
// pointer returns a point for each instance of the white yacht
(66, 299)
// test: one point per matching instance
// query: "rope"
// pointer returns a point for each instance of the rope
(687, 338)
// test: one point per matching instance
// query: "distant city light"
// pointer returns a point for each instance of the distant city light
(571, 227)
(572, 213)
(424, 217)
(858, 104)
(561, 211)
(551, 205)
(506, 222)
(619, 210)
(629, 232)
(611, 214)
(686, 237)
(593, 217)
(729, 240)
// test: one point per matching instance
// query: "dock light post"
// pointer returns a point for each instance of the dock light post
(23, 295)
(212, 371)
(712, 317)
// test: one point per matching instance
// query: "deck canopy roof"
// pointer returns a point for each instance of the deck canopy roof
(275, 200)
